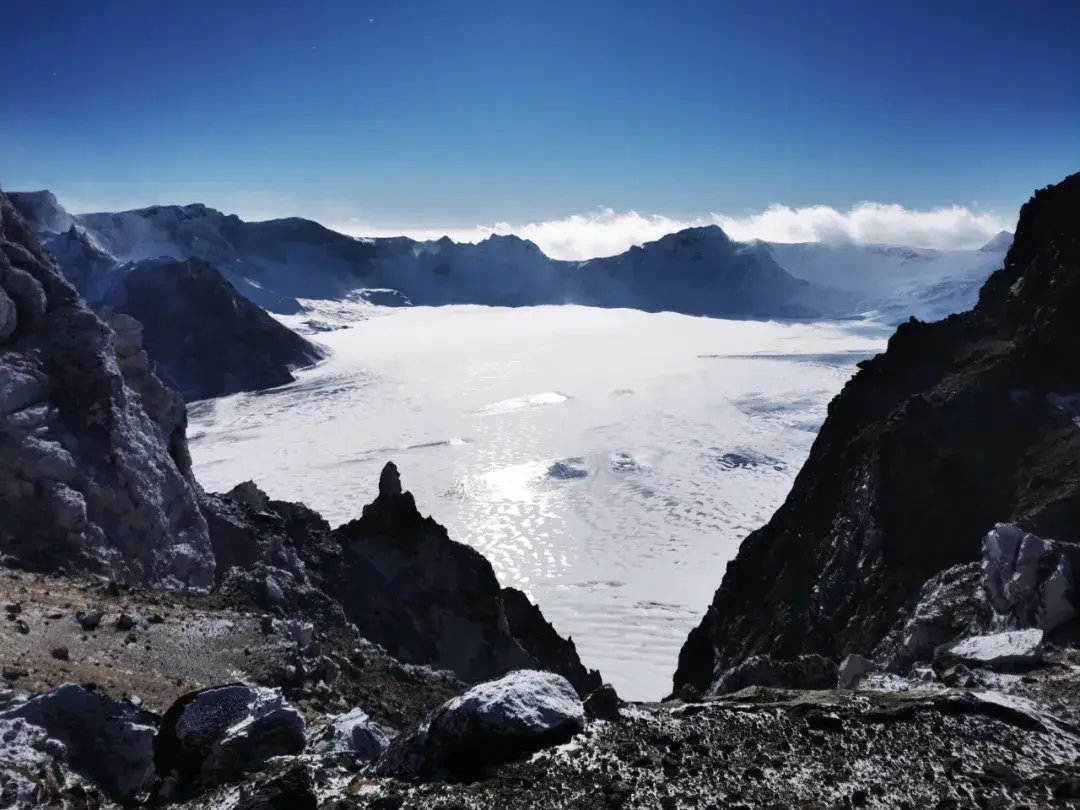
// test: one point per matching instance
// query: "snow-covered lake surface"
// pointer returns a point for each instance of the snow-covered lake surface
(607, 462)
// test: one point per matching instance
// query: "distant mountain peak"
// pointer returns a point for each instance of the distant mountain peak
(1000, 242)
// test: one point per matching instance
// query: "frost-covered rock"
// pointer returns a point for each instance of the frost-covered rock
(492, 723)
(215, 735)
(1012, 651)
(852, 669)
(91, 475)
(1028, 580)
(948, 605)
(106, 742)
(350, 733)
(805, 672)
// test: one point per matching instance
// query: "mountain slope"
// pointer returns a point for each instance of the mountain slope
(894, 283)
(206, 340)
(959, 424)
(94, 471)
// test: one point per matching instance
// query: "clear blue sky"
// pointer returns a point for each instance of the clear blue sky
(456, 112)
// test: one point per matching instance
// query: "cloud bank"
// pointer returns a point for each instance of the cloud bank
(607, 232)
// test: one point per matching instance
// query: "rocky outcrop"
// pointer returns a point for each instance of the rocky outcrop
(205, 338)
(89, 477)
(960, 424)
(492, 723)
(1029, 581)
(395, 574)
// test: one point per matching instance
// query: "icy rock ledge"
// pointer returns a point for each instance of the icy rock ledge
(493, 722)
(1012, 651)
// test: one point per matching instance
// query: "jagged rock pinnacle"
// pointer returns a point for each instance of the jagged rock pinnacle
(389, 481)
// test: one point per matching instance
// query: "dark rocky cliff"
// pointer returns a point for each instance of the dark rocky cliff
(206, 339)
(960, 423)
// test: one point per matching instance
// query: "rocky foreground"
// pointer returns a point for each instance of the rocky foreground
(163, 646)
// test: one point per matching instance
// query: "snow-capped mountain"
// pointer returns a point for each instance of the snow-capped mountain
(893, 283)
(206, 339)
(290, 266)
(296, 267)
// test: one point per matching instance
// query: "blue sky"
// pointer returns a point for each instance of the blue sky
(451, 113)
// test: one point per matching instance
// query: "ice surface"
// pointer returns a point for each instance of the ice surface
(607, 462)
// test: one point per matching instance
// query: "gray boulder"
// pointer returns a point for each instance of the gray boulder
(490, 724)
(106, 742)
(89, 478)
(352, 733)
(215, 736)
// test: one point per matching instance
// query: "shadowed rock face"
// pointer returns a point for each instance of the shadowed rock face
(89, 473)
(959, 424)
(397, 575)
(206, 339)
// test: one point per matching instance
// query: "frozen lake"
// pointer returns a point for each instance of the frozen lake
(607, 462)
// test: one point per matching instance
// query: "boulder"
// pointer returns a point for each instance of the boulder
(603, 704)
(106, 742)
(490, 724)
(805, 672)
(1028, 580)
(214, 736)
(1012, 651)
(351, 733)
(852, 669)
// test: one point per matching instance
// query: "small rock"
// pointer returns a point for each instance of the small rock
(125, 621)
(13, 673)
(155, 618)
(266, 625)
(15, 608)
(352, 733)
(91, 620)
(54, 614)
(22, 626)
(61, 653)
(130, 638)
(603, 704)
(852, 669)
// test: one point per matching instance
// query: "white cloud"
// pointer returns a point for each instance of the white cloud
(607, 232)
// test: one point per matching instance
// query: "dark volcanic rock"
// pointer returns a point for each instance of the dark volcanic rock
(216, 735)
(805, 672)
(89, 477)
(397, 576)
(959, 424)
(206, 339)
